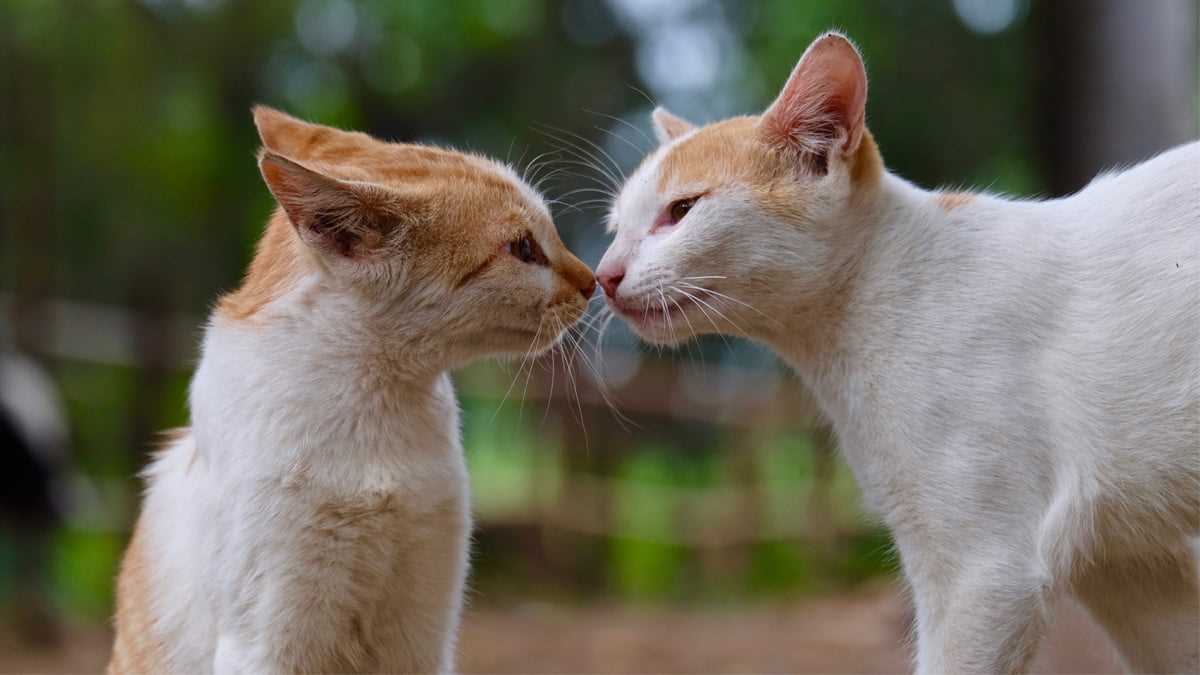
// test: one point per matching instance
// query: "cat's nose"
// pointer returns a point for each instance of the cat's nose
(611, 281)
(588, 288)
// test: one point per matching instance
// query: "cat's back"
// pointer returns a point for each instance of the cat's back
(1125, 364)
(1131, 243)
(1143, 210)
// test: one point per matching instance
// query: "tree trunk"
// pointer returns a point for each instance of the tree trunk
(1118, 83)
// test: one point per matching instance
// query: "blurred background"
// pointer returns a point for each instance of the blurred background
(707, 524)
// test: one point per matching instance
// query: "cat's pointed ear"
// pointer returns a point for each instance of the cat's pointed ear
(286, 135)
(668, 126)
(347, 219)
(822, 108)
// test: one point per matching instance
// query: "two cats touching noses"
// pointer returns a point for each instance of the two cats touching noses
(1015, 384)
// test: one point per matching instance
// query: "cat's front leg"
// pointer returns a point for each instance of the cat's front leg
(984, 613)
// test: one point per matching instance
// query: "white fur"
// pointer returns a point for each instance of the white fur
(316, 517)
(250, 574)
(1016, 385)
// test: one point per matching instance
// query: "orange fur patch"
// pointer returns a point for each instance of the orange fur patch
(953, 200)
(135, 649)
(468, 210)
(274, 270)
(731, 151)
(868, 163)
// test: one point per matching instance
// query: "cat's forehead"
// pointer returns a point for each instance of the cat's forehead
(702, 160)
(472, 188)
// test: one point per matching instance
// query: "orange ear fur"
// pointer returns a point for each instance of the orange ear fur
(350, 219)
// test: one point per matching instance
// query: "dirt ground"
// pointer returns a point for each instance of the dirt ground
(862, 632)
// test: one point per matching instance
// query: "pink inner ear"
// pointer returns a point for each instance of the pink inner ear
(823, 101)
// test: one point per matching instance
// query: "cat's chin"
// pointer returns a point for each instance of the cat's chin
(660, 335)
(669, 328)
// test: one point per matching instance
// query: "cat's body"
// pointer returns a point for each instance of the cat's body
(1017, 389)
(1016, 385)
(315, 518)
(353, 562)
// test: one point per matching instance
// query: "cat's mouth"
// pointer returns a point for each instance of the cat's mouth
(656, 312)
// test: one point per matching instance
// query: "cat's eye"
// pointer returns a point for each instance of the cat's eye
(680, 207)
(525, 248)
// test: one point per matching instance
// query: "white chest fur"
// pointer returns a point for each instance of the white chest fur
(313, 522)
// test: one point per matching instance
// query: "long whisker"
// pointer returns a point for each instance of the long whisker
(586, 157)
(550, 395)
(578, 351)
(524, 360)
(587, 190)
(691, 328)
(713, 323)
(652, 102)
(614, 118)
(734, 300)
(662, 301)
(575, 389)
(619, 137)
(720, 314)
(611, 183)
(529, 175)
(599, 148)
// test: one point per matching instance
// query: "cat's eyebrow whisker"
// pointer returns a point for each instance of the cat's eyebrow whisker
(619, 137)
(651, 101)
(594, 205)
(595, 201)
(588, 158)
(565, 205)
(627, 123)
(599, 148)
(609, 184)
(602, 189)
(529, 175)
(587, 190)
(598, 186)
(540, 183)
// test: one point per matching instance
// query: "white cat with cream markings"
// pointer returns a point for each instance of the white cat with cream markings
(1016, 384)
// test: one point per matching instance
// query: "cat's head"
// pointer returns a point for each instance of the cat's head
(725, 227)
(444, 254)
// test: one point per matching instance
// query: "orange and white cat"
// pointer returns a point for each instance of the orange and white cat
(315, 517)
(1015, 384)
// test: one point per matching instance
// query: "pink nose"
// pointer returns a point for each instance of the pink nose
(610, 281)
